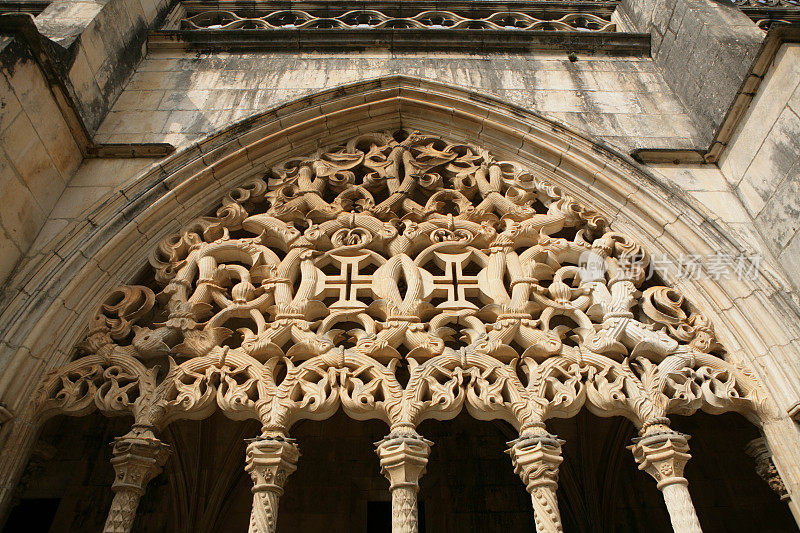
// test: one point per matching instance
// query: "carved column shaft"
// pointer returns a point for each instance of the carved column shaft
(663, 454)
(269, 461)
(536, 460)
(138, 458)
(403, 460)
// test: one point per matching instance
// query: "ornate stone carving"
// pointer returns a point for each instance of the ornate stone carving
(765, 468)
(270, 460)
(360, 18)
(41, 454)
(663, 453)
(401, 277)
(403, 460)
(766, 3)
(536, 460)
(138, 458)
(398, 250)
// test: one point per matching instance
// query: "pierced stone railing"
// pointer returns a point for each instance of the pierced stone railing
(477, 25)
(367, 18)
(767, 3)
(767, 13)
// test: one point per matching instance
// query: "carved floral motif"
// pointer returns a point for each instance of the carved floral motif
(400, 276)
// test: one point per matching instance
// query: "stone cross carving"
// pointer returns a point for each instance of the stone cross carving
(413, 237)
(350, 283)
(454, 285)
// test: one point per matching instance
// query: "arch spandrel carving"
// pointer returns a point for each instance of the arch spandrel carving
(400, 276)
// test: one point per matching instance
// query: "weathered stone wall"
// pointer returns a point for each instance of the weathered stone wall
(704, 50)
(99, 43)
(762, 161)
(180, 97)
(37, 154)
(94, 46)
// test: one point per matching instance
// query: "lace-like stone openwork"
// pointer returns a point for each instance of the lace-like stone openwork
(358, 19)
(399, 249)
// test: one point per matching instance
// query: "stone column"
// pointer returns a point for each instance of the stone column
(138, 458)
(765, 468)
(536, 460)
(403, 461)
(663, 453)
(269, 461)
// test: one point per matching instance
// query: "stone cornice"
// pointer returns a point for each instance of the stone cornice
(477, 8)
(464, 40)
(534, 29)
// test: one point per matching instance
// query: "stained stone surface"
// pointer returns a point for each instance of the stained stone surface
(182, 97)
(75, 227)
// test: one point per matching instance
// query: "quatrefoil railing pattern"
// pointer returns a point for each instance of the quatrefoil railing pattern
(362, 18)
(401, 277)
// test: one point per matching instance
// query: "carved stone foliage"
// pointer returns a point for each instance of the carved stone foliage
(765, 467)
(400, 276)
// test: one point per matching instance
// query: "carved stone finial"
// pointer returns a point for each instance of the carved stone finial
(403, 460)
(138, 457)
(765, 467)
(663, 455)
(536, 460)
(269, 461)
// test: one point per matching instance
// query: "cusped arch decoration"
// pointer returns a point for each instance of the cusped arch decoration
(401, 276)
(47, 306)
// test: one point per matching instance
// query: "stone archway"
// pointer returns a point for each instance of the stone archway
(543, 337)
(400, 276)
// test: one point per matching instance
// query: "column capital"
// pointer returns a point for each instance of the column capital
(663, 455)
(270, 460)
(765, 467)
(403, 458)
(536, 459)
(137, 458)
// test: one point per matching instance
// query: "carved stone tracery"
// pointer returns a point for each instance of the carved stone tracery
(222, 20)
(400, 276)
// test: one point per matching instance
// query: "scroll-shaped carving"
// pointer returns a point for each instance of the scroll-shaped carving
(400, 276)
(442, 20)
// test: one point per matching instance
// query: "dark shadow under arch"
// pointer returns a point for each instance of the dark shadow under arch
(469, 486)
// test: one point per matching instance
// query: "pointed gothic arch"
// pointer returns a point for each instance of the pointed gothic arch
(527, 179)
